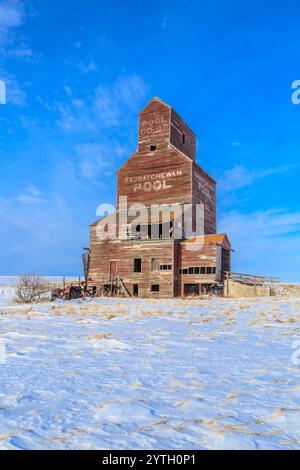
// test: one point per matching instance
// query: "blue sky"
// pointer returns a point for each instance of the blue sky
(78, 72)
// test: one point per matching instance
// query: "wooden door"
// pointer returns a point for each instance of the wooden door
(112, 270)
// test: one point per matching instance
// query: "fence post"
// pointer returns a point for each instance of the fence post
(227, 281)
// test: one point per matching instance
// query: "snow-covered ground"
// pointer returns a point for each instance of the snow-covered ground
(133, 373)
(8, 283)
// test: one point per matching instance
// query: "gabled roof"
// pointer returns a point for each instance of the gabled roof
(159, 100)
(156, 98)
(213, 239)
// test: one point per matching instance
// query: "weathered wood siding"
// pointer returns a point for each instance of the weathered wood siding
(124, 252)
(163, 177)
(154, 127)
(204, 192)
(161, 171)
(181, 136)
(193, 255)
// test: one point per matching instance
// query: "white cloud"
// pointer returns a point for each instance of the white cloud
(33, 190)
(23, 52)
(107, 106)
(124, 96)
(14, 93)
(266, 242)
(88, 67)
(97, 158)
(11, 14)
(68, 90)
(164, 23)
(38, 238)
(240, 177)
(31, 195)
(93, 117)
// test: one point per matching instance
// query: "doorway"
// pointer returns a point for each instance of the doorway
(191, 289)
(112, 270)
(135, 290)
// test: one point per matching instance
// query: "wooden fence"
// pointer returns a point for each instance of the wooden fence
(251, 278)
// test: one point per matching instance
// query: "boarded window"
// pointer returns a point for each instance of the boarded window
(137, 265)
(155, 264)
(154, 287)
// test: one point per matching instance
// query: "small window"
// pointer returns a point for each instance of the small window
(214, 270)
(152, 148)
(191, 270)
(208, 270)
(197, 270)
(202, 270)
(185, 271)
(137, 266)
(154, 287)
(155, 264)
(165, 267)
(183, 138)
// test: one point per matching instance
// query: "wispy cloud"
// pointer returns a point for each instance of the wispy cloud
(240, 177)
(91, 120)
(266, 242)
(24, 52)
(164, 23)
(34, 234)
(15, 94)
(107, 106)
(11, 15)
(87, 67)
(98, 159)
(31, 195)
